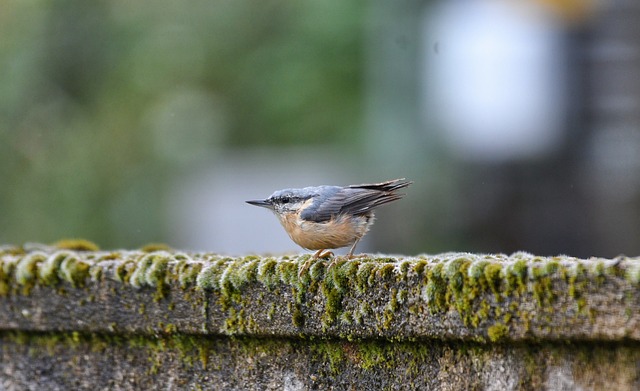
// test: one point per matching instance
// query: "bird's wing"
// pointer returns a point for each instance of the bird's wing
(353, 200)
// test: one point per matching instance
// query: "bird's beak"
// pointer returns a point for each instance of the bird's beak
(262, 203)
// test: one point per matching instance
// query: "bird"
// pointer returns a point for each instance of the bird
(329, 217)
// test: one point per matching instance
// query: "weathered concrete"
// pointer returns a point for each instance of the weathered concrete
(451, 321)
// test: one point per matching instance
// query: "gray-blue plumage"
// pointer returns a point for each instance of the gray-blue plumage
(305, 193)
(331, 201)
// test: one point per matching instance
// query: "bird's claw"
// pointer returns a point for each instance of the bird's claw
(320, 254)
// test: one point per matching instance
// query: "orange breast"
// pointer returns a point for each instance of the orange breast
(340, 232)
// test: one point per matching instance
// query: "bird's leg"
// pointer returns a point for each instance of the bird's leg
(350, 254)
(322, 253)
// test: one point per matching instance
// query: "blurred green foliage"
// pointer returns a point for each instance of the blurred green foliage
(103, 102)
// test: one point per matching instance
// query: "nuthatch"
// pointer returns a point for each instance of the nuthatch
(328, 217)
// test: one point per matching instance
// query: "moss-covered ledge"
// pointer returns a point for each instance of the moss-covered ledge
(449, 297)
(75, 317)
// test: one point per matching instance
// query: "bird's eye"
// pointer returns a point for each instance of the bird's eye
(285, 200)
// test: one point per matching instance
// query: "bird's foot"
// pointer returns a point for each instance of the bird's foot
(335, 260)
(332, 264)
(319, 254)
(323, 254)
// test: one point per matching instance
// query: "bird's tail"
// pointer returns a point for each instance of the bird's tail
(388, 186)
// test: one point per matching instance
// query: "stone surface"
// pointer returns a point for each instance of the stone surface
(81, 362)
(183, 320)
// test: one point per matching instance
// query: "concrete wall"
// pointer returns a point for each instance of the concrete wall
(76, 319)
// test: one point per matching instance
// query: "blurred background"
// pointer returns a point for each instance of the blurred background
(153, 121)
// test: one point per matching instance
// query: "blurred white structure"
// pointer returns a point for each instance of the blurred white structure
(494, 78)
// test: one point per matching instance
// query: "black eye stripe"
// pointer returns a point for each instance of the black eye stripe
(286, 199)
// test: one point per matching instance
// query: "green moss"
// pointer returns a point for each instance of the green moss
(26, 271)
(188, 274)
(96, 273)
(537, 271)
(191, 350)
(460, 293)
(577, 281)
(492, 274)
(150, 270)
(551, 267)
(7, 268)
(232, 278)
(209, 277)
(288, 272)
(154, 247)
(123, 271)
(390, 309)
(48, 270)
(170, 329)
(402, 296)
(272, 311)
(614, 271)
(340, 275)
(316, 271)
(8, 249)
(386, 271)
(110, 256)
(155, 273)
(333, 304)
(403, 270)
(267, 273)
(372, 355)
(330, 353)
(346, 318)
(543, 292)
(435, 290)
(455, 272)
(476, 270)
(633, 274)
(365, 276)
(516, 277)
(63, 266)
(581, 303)
(76, 245)
(297, 317)
(74, 271)
(5, 288)
(250, 270)
(238, 322)
(480, 314)
(364, 310)
(498, 332)
(337, 282)
(599, 268)
(393, 300)
(419, 267)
